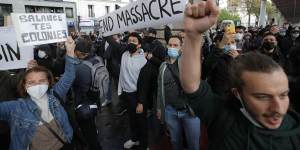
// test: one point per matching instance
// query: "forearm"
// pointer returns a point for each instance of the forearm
(66, 81)
(190, 65)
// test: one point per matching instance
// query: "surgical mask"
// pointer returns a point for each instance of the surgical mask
(282, 33)
(247, 114)
(295, 35)
(229, 47)
(239, 36)
(42, 54)
(247, 37)
(37, 91)
(173, 53)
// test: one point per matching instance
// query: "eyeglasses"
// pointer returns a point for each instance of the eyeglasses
(33, 83)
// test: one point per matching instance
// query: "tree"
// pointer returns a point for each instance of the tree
(251, 7)
(226, 15)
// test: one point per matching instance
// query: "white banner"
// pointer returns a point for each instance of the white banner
(40, 28)
(11, 55)
(142, 14)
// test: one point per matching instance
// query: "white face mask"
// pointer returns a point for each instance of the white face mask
(37, 91)
(247, 114)
(42, 54)
(239, 36)
(295, 35)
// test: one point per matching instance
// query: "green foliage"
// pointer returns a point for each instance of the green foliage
(252, 6)
(226, 15)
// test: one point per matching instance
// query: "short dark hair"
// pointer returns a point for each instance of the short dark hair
(152, 30)
(253, 62)
(268, 33)
(21, 86)
(135, 34)
(176, 37)
(83, 44)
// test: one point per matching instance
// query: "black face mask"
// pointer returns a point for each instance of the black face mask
(149, 39)
(268, 45)
(132, 48)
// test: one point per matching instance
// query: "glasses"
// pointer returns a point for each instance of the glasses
(33, 83)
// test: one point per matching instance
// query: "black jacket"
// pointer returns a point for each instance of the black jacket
(9, 83)
(113, 55)
(219, 77)
(147, 82)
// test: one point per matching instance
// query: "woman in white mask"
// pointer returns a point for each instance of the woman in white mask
(37, 120)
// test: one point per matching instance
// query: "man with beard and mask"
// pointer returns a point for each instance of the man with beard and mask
(132, 62)
(270, 48)
(171, 106)
(259, 117)
(82, 97)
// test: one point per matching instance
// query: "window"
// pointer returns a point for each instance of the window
(107, 9)
(59, 10)
(30, 9)
(69, 12)
(42, 9)
(1, 21)
(5, 9)
(91, 10)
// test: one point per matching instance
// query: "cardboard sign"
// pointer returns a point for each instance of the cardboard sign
(40, 28)
(142, 14)
(11, 55)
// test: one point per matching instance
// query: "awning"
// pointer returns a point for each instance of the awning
(290, 9)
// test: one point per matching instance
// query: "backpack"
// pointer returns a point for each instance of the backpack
(100, 80)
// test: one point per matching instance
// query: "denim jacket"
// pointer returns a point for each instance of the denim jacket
(21, 113)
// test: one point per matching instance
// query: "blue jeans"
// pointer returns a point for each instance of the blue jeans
(179, 121)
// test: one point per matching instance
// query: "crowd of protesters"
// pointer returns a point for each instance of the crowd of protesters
(238, 90)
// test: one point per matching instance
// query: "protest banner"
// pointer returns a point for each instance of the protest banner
(142, 14)
(39, 28)
(11, 55)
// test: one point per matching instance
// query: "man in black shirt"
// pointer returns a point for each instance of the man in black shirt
(172, 108)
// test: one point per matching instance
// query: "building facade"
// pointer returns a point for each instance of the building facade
(39, 6)
(89, 10)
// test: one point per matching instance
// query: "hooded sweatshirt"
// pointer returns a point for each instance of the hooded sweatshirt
(229, 129)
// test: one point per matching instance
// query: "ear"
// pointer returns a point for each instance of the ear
(139, 46)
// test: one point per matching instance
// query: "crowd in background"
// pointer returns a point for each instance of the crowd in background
(144, 70)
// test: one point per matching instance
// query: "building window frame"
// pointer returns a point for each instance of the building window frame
(91, 11)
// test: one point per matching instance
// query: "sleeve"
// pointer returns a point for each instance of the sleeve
(66, 81)
(144, 85)
(205, 103)
(117, 48)
(82, 82)
(6, 109)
